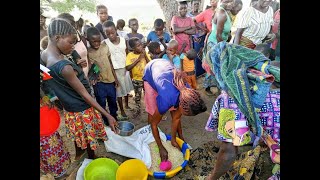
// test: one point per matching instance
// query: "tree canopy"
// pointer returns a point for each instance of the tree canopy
(68, 5)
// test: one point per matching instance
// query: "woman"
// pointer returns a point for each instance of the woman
(254, 24)
(83, 121)
(165, 90)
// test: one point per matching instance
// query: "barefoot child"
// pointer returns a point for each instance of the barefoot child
(135, 62)
(172, 53)
(188, 67)
(105, 87)
(83, 121)
(117, 47)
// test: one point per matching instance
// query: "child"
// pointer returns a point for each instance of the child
(120, 24)
(155, 51)
(183, 26)
(102, 12)
(117, 47)
(135, 62)
(172, 53)
(158, 34)
(83, 121)
(105, 87)
(188, 67)
(134, 25)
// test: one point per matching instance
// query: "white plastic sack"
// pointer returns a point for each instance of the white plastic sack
(81, 169)
(134, 146)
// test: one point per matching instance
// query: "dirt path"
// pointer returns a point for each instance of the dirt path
(193, 130)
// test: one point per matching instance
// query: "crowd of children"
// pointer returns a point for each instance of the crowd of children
(94, 67)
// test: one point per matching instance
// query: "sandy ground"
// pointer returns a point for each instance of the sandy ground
(193, 130)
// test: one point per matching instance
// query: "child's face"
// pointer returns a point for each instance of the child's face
(94, 41)
(42, 20)
(172, 49)
(111, 33)
(66, 43)
(134, 25)
(159, 30)
(138, 48)
(182, 9)
(158, 50)
(103, 14)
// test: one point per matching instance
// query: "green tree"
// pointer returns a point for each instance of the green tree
(67, 5)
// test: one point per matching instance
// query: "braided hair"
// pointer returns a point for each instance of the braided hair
(189, 99)
(60, 27)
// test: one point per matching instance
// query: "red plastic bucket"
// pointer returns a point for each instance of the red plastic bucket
(49, 120)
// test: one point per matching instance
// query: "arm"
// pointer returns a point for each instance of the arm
(70, 76)
(221, 19)
(191, 31)
(177, 29)
(129, 67)
(113, 71)
(154, 121)
(238, 35)
(176, 127)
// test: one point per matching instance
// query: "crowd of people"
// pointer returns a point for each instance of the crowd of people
(94, 67)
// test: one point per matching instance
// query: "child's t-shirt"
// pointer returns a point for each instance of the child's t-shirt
(188, 65)
(100, 58)
(137, 70)
(176, 60)
(118, 53)
(182, 37)
(152, 36)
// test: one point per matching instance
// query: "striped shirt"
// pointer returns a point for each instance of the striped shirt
(257, 24)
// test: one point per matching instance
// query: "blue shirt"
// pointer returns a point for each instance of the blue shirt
(152, 36)
(176, 60)
(158, 73)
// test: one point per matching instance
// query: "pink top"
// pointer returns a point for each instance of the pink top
(182, 37)
(206, 17)
(82, 51)
(275, 27)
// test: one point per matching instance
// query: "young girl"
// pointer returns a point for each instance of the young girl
(102, 12)
(165, 90)
(135, 62)
(158, 35)
(183, 26)
(83, 121)
(117, 47)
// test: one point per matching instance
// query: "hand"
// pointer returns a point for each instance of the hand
(170, 56)
(116, 83)
(197, 39)
(161, 38)
(113, 124)
(93, 82)
(270, 38)
(163, 154)
(82, 62)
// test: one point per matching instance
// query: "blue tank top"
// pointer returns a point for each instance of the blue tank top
(69, 98)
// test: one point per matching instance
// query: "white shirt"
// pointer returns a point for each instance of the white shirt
(118, 53)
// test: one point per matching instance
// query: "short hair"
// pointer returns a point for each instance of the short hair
(44, 42)
(191, 54)
(108, 23)
(60, 27)
(68, 17)
(236, 2)
(85, 28)
(133, 41)
(121, 23)
(101, 6)
(80, 23)
(173, 42)
(132, 19)
(158, 22)
(183, 3)
(153, 46)
(92, 31)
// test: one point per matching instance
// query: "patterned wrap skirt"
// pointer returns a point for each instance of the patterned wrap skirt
(85, 127)
(54, 157)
